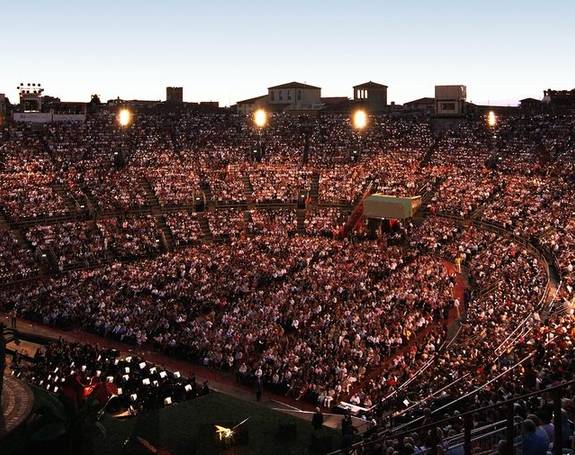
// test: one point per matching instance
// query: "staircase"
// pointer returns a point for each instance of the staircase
(300, 218)
(428, 195)
(429, 153)
(314, 188)
(248, 188)
(205, 228)
(176, 145)
(151, 198)
(69, 200)
(90, 200)
(167, 237)
(205, 186)
(4, 223)
(46, 263)
(481, 207)
(356, 215)
(248, 221)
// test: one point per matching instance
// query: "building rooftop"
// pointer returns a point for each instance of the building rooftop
(370, 84)
(425, 99)
(295, 85)
(252, 100)
(530, 100)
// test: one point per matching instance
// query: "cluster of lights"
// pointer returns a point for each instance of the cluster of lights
(359, 118)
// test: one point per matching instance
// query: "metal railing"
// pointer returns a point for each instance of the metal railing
(478, 440)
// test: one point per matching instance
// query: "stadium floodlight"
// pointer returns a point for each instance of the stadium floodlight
(359, 119)
(491, 119)
(260, 118)
(124, 117)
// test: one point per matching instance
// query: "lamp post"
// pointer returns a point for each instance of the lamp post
(124, 119)
(260, 121)
(491, 119)
(491, 125)
(359, 123)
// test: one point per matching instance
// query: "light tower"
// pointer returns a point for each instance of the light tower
(359, 122)
(31, 96)
(124, 119)
(260, 121)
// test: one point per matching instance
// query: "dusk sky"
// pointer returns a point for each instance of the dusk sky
(502, 50)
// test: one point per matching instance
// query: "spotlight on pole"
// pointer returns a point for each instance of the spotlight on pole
(359, 119)
(491, 119)
(124, 117)
(260, 118)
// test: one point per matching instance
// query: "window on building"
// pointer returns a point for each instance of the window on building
(272, 95)
(299, 95)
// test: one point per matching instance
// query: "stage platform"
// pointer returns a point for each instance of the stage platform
(17, 401)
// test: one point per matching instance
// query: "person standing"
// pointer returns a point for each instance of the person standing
(259, 388)
(317, 419)
(13, 317)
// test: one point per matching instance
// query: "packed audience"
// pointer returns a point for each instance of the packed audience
(264, 291)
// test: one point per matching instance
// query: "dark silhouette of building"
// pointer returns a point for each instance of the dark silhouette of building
(372, 94)
(175, 94)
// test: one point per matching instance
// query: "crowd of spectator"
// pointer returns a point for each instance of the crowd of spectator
(275, 298)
